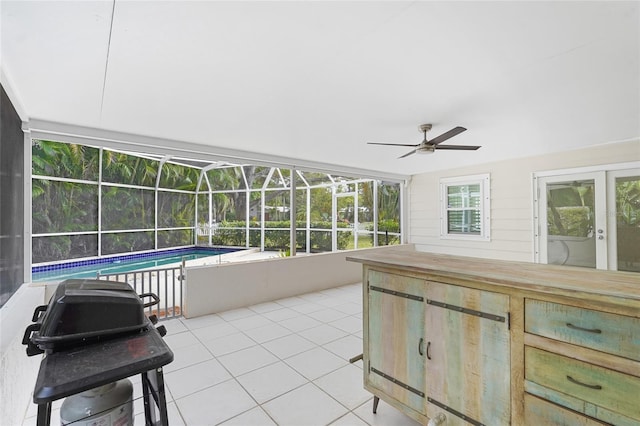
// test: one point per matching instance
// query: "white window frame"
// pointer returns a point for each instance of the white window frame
(483, 180)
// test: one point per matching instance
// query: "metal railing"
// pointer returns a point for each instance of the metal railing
(166, 283)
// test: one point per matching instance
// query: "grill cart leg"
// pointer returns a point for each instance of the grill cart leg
(153, 384)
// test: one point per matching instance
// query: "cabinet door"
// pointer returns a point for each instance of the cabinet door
(468, 357)
(396, 338)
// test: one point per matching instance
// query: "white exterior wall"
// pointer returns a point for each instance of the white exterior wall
(511, 201)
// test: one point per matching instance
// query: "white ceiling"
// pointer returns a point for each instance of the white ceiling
(315, 80)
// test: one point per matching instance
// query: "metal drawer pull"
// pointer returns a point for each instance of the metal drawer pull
(588, 330)
(572, 380)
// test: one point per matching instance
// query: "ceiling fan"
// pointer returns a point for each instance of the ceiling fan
(427, 147)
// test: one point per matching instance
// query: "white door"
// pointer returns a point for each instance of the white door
(590, 219)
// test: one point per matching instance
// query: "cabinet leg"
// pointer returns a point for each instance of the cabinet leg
(375, 404)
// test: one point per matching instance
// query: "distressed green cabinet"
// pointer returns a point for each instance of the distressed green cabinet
(395, 337)
(484, 342)
(468, 356)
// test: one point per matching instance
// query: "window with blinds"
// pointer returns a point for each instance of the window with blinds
(465, 207)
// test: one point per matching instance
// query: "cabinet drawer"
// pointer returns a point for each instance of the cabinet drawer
(610, 333)
(596, 386)
(540, 412)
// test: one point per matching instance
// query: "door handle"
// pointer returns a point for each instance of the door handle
(428, 347)
(421, 346)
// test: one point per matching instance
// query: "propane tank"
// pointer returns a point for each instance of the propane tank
(108, 405)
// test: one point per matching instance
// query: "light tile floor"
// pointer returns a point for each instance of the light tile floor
(278, 363)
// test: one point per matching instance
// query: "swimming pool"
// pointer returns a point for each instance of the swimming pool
(125, 263)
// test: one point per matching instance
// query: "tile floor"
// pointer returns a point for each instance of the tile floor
(278, 363)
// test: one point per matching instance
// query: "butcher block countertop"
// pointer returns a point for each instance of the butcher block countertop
(620, 288)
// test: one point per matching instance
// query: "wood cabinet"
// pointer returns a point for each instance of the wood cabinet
(468, 356)
(395, 338)
(486, 342)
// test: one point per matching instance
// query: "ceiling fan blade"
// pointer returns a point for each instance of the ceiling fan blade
(408, 154)
(392, 144)
(458, 147)
(443, 137)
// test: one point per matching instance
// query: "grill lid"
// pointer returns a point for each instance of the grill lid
(83, 311)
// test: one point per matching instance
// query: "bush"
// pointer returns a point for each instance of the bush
(276, 235)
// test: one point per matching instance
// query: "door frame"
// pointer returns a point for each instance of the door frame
(605, 207)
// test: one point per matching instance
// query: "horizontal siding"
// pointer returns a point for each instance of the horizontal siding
(511, 201)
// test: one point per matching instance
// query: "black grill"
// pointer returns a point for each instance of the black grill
(83, 311)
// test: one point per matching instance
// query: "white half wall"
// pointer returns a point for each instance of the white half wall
(217, 288)
(511, 201)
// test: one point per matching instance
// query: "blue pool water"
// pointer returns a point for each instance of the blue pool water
(89, 268)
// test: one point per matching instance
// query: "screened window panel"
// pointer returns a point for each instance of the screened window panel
(203, 188)
(128, 169)
(301, 239)
(254, 238)
(388, 207)
(238, 210)
(226, 179)
(277, 239)
(387, 238)
(276, 206)
(365, 239)
(177, 176)
(316, 178)
(365, 203)
(345, 187)
(203, 208)
(321, 207)
(320, 241)
(300, 183)
(65, 160)
(279, 179)
(127, 208)
(175, 238)
(127, 242)
(256, 176)
(175, 209)
(64, 247)
(64, 206)
(231, 236)
(301, 206)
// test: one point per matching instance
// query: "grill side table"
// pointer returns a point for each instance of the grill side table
(79, 369)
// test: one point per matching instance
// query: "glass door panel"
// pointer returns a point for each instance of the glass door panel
(570, 223)
(626, 187)
(572, 220)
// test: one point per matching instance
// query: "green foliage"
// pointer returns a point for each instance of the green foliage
(277, 237)
(570, 221)
(628, 202)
